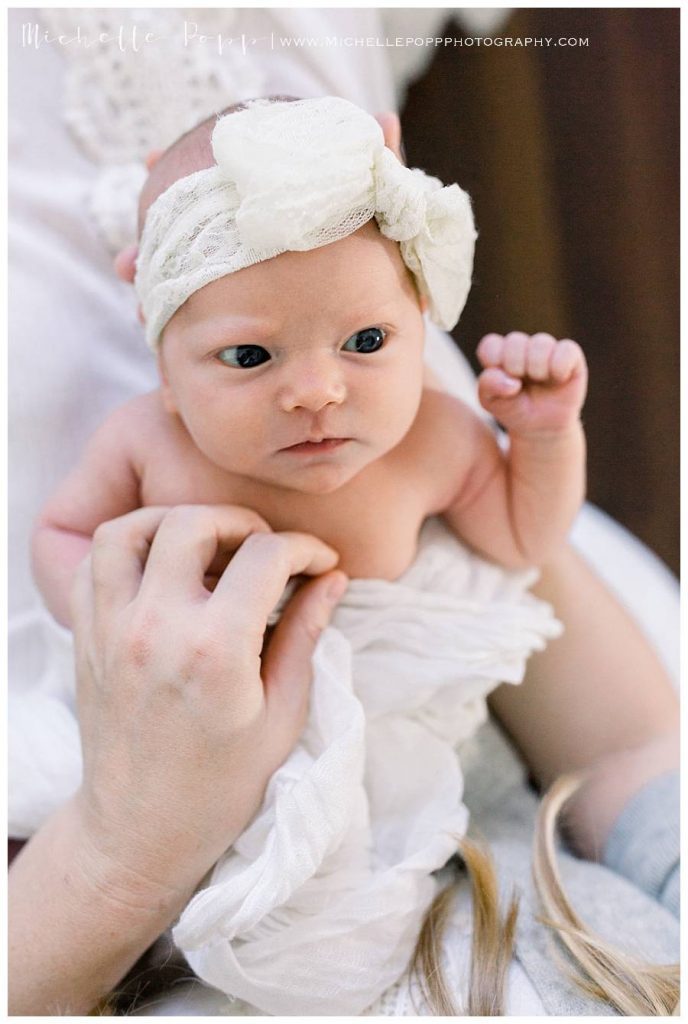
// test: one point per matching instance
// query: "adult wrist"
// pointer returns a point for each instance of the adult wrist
(114, 865)
(77, 922)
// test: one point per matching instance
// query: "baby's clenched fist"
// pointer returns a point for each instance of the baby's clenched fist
(532, 383)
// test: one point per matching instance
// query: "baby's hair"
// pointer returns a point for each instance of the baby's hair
(191, 152)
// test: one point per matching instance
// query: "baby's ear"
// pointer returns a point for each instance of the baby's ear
(168, 399)
(423, 303)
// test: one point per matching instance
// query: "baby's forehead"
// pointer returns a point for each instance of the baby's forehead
(362, 273)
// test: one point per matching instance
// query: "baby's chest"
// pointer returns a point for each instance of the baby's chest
(374, 526)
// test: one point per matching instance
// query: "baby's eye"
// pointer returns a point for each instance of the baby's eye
(245, 357)
(368, 340)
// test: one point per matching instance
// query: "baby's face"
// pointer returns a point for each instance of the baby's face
(302, 370)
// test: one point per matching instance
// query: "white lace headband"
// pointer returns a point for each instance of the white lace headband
(292, 176)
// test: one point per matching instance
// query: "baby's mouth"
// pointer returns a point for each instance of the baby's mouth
(323, 446)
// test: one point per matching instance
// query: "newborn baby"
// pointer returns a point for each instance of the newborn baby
(286, 261)
(290, 348)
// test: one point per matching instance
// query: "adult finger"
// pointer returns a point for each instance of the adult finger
(287, 661)
(254, 580)
(152, 158)
(81, 601)
(118, 556)
(391, 130)
(186, 543)
(125, 263)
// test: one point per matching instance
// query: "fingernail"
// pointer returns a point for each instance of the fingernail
(337, 587)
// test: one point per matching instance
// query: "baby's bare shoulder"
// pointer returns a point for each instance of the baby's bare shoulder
(135, 424)
(441, 422)
(441, 444)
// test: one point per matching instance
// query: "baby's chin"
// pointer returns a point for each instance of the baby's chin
(320, 478)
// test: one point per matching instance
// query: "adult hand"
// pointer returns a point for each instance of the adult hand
(182, 725)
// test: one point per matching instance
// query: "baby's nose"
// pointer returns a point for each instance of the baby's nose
(312, 388)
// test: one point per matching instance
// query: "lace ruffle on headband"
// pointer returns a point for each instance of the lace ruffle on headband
(121, 102)
(293, 176)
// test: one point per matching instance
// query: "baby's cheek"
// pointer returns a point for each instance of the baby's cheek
(401, 409)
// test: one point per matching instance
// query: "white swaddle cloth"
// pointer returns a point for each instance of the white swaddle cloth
(316, 908)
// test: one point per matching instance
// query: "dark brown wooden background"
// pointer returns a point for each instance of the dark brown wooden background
(571, 157)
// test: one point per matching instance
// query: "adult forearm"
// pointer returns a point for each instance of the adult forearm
(546, 488)
(597, 690)
(612, 782)
(75, 929)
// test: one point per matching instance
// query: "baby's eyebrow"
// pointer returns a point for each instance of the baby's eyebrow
(236, 330)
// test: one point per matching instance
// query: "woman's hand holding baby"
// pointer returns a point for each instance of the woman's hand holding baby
(532, 384)
(183, 720)
(182, 726)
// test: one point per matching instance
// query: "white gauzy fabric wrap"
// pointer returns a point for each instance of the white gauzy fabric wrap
(317, 906)
(293, 176)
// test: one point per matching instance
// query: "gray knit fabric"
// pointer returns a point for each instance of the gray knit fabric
(645, 843)
(503, 810)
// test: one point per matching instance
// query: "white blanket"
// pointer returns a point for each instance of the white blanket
(316, 908)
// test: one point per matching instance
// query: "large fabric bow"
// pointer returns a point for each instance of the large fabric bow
(310, 172)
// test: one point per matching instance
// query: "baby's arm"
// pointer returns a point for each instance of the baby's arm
(103, 485)
(517, 506)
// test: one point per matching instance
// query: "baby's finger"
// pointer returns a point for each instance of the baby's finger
(493, 384)
(514, 355)
(489, 350)
(539, 352)
(567, 359)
